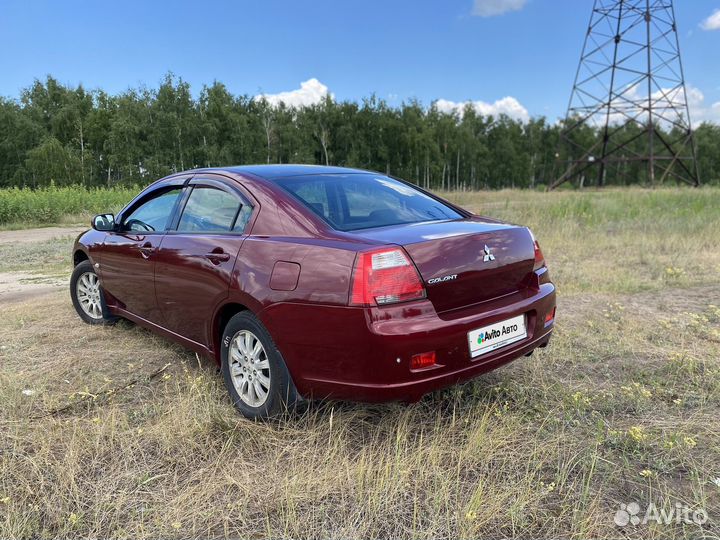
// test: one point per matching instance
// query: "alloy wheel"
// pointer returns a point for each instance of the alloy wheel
(249, 368)
(88, 295)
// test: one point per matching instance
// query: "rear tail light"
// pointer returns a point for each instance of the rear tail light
(422, 360)
(550, 317)
(385, 276)
(539, 257)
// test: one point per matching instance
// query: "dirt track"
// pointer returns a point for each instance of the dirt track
(26, 236)
(21, 286)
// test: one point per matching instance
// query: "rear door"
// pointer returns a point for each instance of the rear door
(129, 255)
(197, 256)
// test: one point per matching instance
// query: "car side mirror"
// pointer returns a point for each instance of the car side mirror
(103, 222)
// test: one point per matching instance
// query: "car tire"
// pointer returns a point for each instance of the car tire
(87, 295)
(253, 369)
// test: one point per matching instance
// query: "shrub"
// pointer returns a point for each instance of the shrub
(48, 205)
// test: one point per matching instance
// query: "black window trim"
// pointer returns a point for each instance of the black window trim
(207, 182)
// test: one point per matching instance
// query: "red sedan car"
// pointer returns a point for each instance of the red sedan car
(315, 282)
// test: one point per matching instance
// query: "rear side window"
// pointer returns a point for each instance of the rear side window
(209, 210)
(362, 201)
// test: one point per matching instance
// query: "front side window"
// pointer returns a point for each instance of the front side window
(153, 215)
(209, 210)
(350, 202)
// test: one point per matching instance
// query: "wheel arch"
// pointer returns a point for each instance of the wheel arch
(79, 256)
(224, 314)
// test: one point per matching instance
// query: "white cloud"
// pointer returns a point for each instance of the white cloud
(695, 98)
(507, 105)
(310, 92)
(665, 100)
(699, 110)
(491, 8)
(712, 22)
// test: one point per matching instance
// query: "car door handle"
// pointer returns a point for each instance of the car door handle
(146, 249)
(216, 257)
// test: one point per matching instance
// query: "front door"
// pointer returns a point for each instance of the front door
(196, 259)
(128, 258)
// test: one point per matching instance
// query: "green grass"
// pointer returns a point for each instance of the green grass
(51, 256)
(623, 406)
(617, 240)
(27, 207)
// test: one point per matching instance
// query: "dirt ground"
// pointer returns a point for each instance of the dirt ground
(18, 286)
(42, 234)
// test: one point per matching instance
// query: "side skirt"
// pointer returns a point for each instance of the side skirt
(164, 332)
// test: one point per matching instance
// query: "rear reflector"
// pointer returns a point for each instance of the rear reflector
(550, 317)
(385, 276)
(422, 360)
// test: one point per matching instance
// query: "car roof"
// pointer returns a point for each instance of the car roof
(272, 172)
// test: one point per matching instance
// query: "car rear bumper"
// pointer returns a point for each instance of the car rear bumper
(364, 354)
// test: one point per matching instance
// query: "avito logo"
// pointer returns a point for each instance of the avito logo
(631, 514)
(495, 333)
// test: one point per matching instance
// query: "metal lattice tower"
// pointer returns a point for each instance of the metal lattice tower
(628, 113)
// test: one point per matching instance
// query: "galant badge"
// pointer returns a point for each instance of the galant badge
(488, 256)
(443, 279)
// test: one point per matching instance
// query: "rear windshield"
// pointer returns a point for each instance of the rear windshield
(349, 202)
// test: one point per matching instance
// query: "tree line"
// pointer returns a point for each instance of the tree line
(65, 135)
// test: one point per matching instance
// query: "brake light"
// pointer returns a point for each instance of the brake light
(422, 360)
(550, 317)
(385, 276)
(539, 257)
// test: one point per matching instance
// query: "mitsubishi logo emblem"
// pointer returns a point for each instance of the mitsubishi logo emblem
(487, 254)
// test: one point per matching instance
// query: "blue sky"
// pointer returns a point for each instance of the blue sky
(480, 50)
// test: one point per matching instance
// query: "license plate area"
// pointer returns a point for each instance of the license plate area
(497, 335)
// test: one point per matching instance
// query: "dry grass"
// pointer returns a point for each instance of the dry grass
(624, 406)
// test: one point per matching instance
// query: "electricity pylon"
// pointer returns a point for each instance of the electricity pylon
(628, 114)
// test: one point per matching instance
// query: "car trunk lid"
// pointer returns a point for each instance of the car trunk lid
(464, 262)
